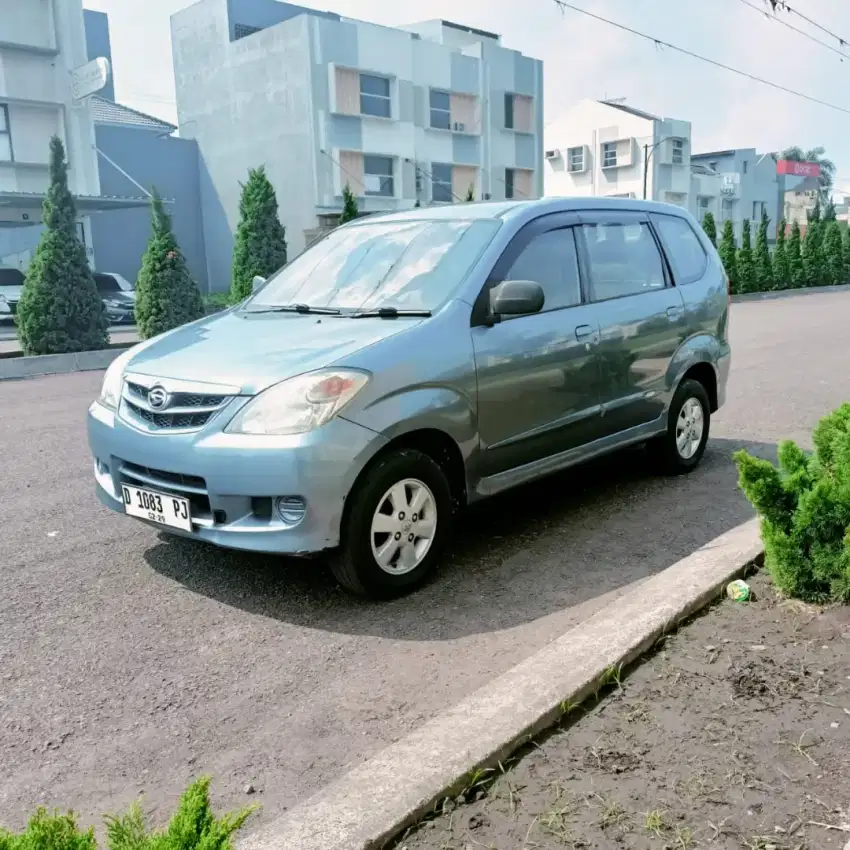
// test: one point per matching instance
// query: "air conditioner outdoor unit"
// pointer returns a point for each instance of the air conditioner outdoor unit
(555, 154)
(459, 127)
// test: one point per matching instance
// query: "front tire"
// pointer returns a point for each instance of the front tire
(680, 450)
(397, 521)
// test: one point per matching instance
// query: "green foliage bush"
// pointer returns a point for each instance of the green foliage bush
(166, 295)
(260, 245)
(795, 257)
(781, 266)
(193, 827)
(833, 254)
(60, 310)
(746, 267)
(804, 506)
(349, 205)
(710, 228)
(762, 261)
(729, 254)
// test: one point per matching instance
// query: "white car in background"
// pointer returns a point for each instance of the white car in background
(116, 292)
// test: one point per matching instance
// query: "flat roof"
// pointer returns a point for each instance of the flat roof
(471, 30)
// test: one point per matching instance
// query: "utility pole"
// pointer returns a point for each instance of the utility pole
(648, 150)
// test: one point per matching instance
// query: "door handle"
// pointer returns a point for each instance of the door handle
(586, 333)
(674, 313)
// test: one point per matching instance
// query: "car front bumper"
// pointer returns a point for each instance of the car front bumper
(232, 481)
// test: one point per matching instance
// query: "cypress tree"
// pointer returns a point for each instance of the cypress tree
(746, 267)
(845, 253)
(710, 228)
(763, 267)
(814, 266)
(795, 257)
(349, 205)
(833, 254)
(729, 254)
(260, 245)
(60, 310)
(166, 295)
(781, 268)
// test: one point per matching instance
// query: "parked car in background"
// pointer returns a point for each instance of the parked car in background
(11, 285)
(116, 292)
(407, 365)
(118, 295)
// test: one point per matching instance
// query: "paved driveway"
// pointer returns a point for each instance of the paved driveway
(130, 663)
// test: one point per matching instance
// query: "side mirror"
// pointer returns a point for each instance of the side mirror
(257, 283)
(516, 298)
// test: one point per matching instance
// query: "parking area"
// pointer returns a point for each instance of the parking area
(131, 663)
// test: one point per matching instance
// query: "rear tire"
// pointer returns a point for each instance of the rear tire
(398, 519)
(681, 448)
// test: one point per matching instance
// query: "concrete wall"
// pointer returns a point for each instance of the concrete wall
(247, 103)
(98, 43)
(169, 164)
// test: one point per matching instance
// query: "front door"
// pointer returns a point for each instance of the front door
(641, 316)
(538, 375)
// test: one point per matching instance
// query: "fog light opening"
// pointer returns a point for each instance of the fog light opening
(291, 509)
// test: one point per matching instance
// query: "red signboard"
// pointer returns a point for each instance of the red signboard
(797, 169)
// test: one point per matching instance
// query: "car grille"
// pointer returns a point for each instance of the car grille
(186, 411)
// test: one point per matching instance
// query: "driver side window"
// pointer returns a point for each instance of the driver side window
(550, 259)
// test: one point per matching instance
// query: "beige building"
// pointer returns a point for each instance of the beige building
(800, 201)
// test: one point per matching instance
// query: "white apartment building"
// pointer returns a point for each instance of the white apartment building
(421, 114)
(41, 43)
(610, 149)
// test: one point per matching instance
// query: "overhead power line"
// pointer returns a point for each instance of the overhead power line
(659, 43)
(781, 4)
(773, 17)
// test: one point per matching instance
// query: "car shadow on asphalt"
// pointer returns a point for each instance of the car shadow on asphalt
(515, 558)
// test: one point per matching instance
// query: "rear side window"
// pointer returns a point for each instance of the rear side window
(550, 259)
(685, 251)
(624, 260)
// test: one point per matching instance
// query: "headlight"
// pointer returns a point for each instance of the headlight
(299, 404)
(113, 382)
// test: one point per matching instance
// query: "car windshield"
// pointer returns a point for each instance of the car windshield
(406, 265)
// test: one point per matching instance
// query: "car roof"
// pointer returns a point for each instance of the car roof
(520, 209)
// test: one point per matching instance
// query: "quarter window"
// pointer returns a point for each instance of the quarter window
(624, 260)
(375, 96)
(550, 259)
(378, 176)
(441, 113)
(441, 183)
(5, 135)
(687, 256)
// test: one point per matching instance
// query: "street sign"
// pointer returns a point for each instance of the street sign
(90, 78)
(797, 169)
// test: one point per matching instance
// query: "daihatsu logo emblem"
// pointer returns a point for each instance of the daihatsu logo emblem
(158, 398)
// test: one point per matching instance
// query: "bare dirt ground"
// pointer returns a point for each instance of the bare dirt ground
(733, 733)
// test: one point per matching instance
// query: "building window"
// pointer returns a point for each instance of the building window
(727, 211)
(378, 176)
(5, 135)
(518, 108)
(441, 183)
(609, 155)
(243, 30)
(441, 110)
(375, 96)
(678, 152)
(744, 166)
(509, 111)
(509, 183)
(575, 159)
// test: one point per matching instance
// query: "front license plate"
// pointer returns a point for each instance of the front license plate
(167, 510)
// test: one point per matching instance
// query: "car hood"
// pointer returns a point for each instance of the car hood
(121, 298)
(253, 352)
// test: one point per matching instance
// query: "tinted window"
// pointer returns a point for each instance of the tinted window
(624, 260)
(106, 284)
(550, 260)
(11, 277)
(686, 254)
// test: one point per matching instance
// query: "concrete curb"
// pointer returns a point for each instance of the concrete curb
(12, 368)
(788, 293)
(375, 802)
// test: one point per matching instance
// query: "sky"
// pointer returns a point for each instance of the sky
(584, 57)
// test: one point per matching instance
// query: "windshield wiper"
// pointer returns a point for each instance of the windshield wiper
(298, 308)
(389, 313)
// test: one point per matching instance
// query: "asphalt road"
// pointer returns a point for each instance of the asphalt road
(130, 663)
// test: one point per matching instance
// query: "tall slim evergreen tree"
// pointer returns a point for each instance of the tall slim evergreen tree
(60, 310)
(746, 268)
(781, 268)
(763, 265)
(260, 245)
(845, 253)
(814, 264)
(166, 295)
(710, 228)
(795, 257)
(729, 254)
(349, 205)
(832, 253)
